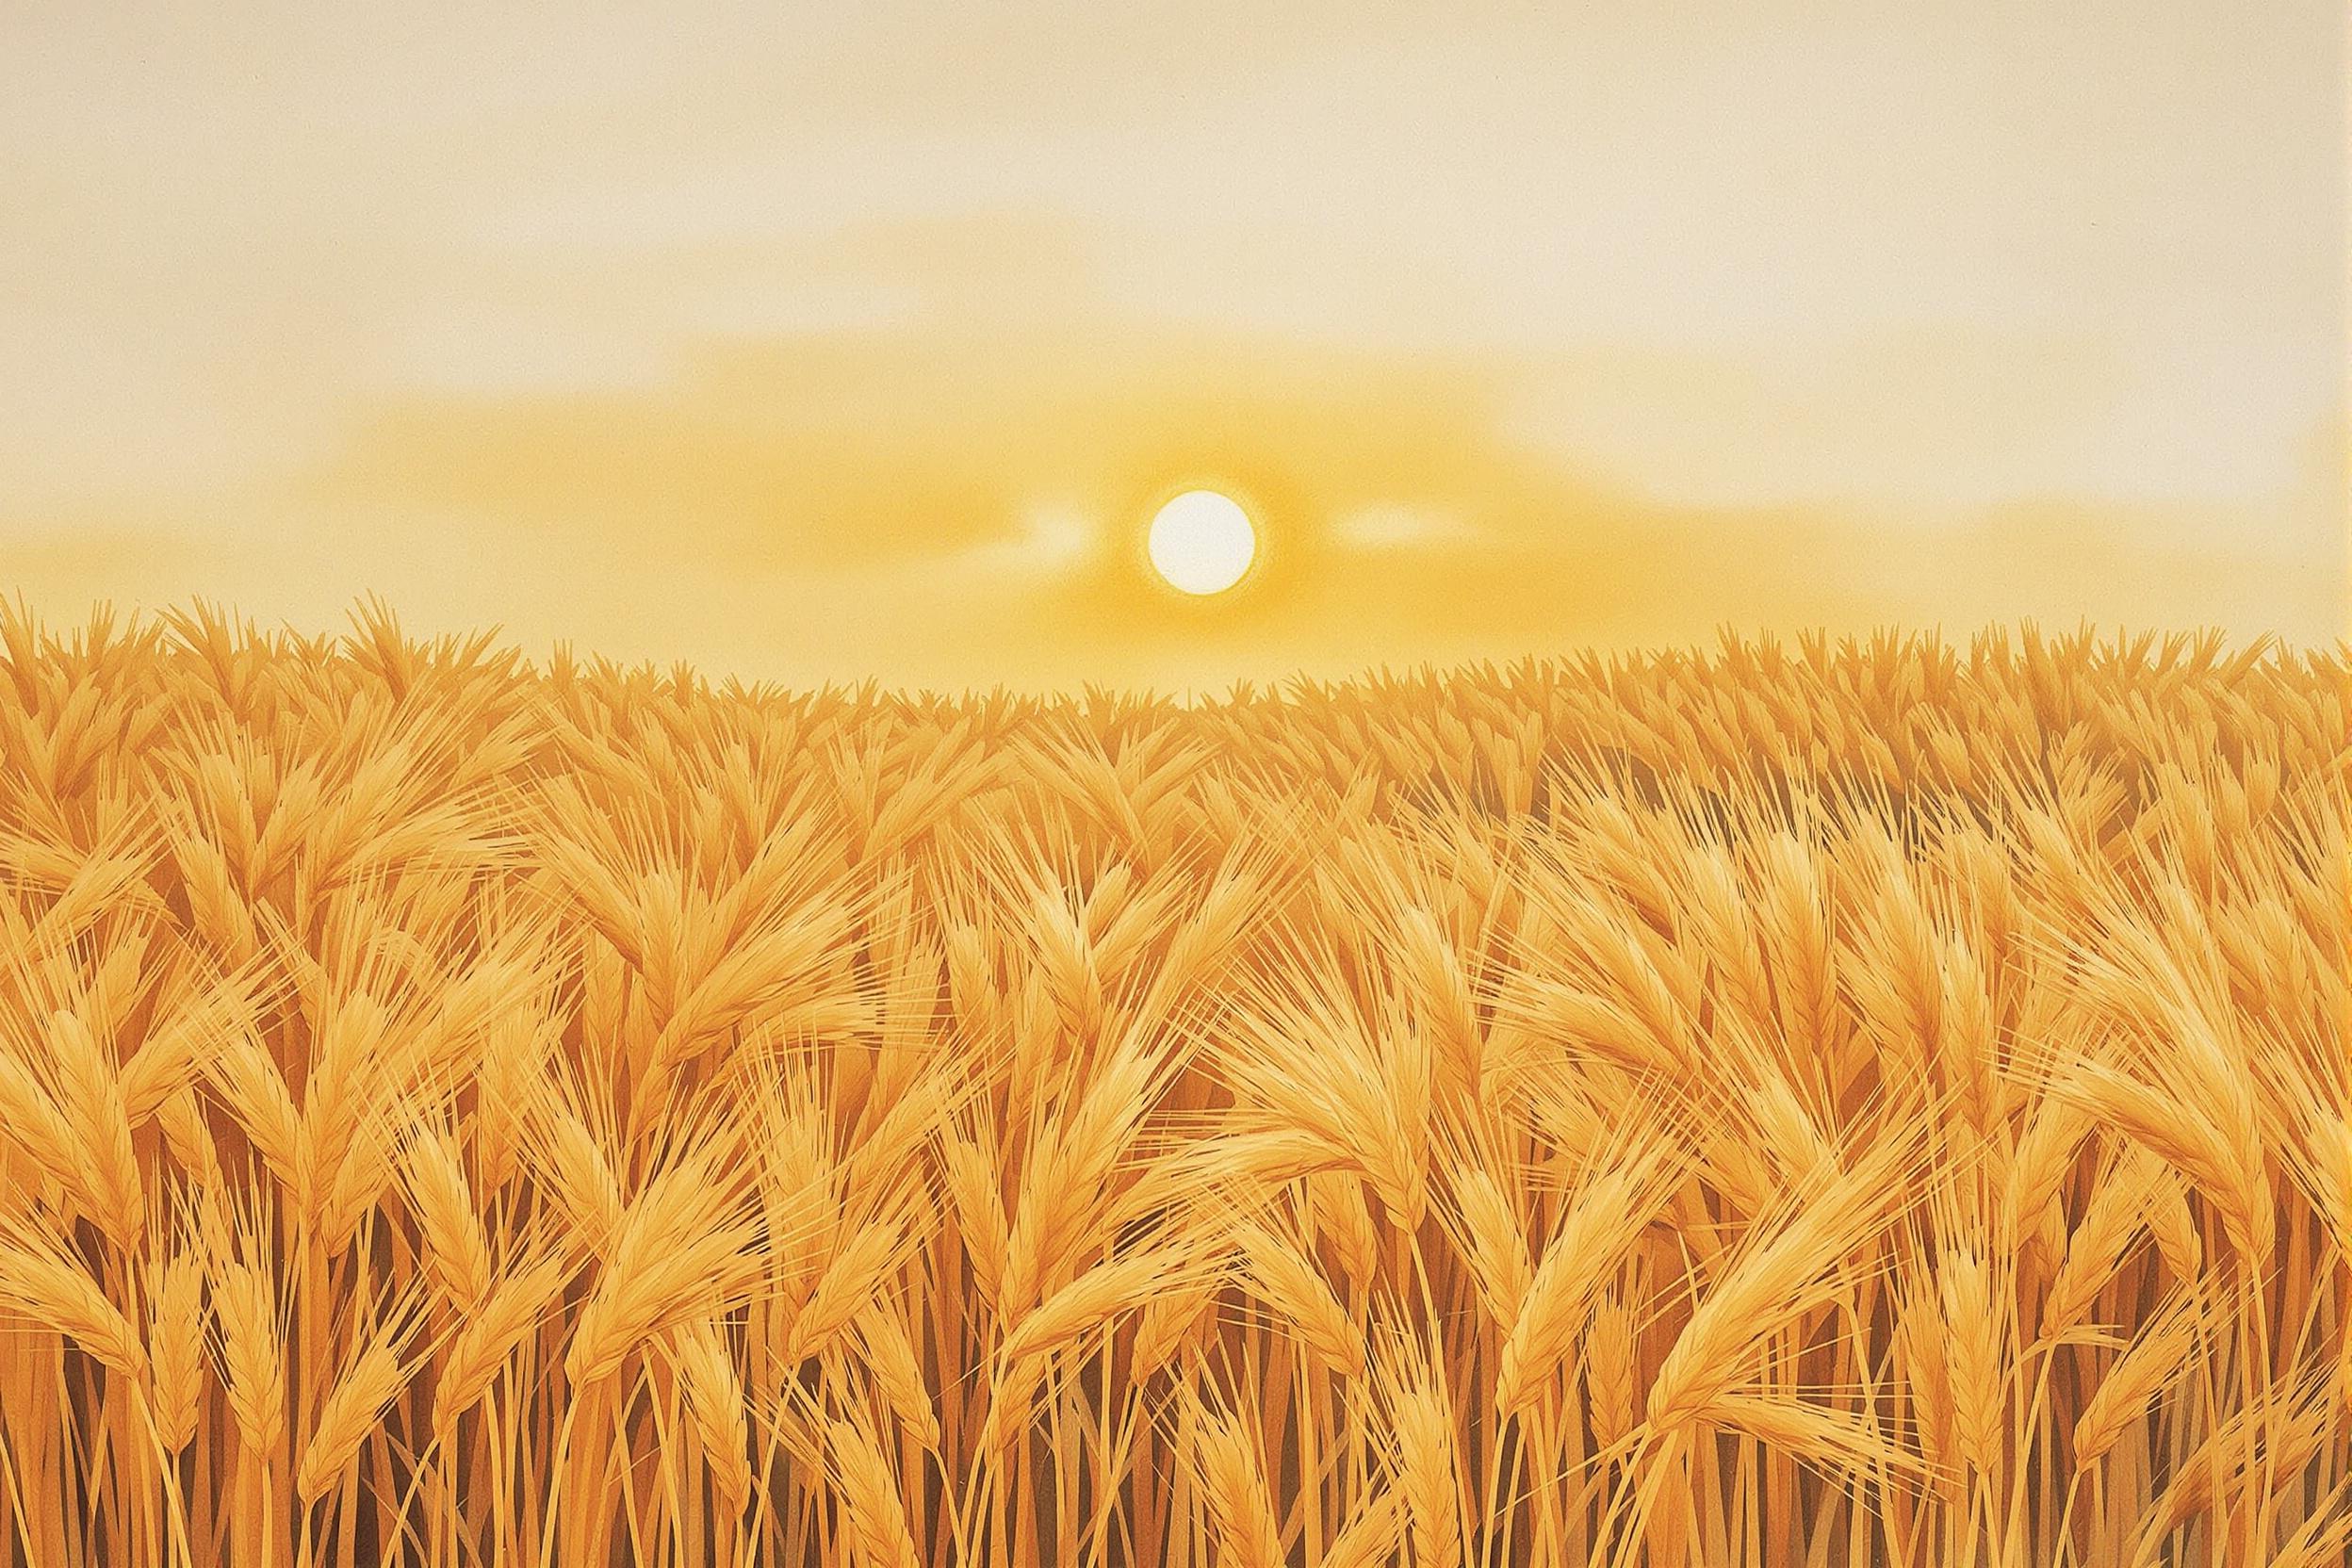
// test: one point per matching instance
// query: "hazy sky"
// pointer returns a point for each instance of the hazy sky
(822, 340)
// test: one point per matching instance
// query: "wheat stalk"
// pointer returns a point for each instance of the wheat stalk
(715, 1404)
(347, 1418)
(176, 1349)
(870, 1500)
(1232, 1483)
(40, 1284)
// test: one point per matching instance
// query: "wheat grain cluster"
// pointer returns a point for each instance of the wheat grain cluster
(1809, 1104)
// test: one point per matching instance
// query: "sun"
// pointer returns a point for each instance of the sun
(1201, 542)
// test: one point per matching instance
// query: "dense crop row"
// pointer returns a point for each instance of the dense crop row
(1880, 1103)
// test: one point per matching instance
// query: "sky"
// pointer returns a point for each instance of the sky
(831, 341)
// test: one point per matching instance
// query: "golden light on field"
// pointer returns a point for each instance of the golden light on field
(460, 1115)
(1203, 542)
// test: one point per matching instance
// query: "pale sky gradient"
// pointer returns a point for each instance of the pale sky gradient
(826, 340)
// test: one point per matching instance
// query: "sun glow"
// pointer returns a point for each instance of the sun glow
(1203, 542)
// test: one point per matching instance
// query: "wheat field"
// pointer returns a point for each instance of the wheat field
(1810, 1104)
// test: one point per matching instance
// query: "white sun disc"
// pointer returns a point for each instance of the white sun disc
(1201, 542)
